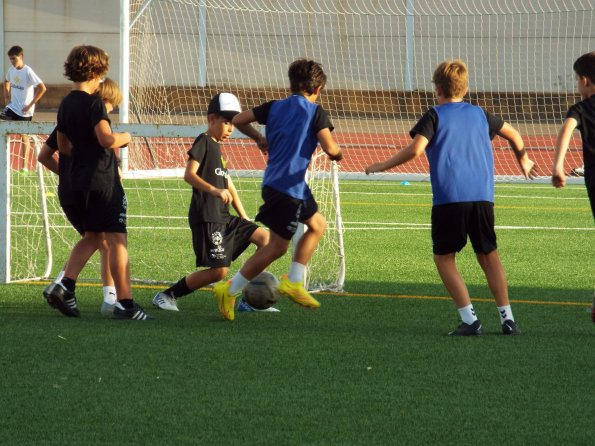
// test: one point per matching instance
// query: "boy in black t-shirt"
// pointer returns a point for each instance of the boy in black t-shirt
(580, 116)
(85, 134)
(110, 93)
(218, 237)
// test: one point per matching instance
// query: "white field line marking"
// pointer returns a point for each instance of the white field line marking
(391, 225)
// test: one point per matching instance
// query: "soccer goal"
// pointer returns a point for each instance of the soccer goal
(38, 238)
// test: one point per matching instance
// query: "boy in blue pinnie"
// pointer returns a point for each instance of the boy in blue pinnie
(456, 138)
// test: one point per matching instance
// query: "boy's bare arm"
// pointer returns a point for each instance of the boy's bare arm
(6, 92)
(328, 144)
(408, 153)
(108, 139)
(38, 92)
(46, 158)
(236, 202)
(192, 178)
(64, 144)
(515, 141)
(242, 121)
(562, 143)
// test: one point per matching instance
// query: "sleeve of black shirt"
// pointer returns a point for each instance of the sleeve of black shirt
(52, 141)
(322, 120)
(426, 126)
(198, 150)
(495, 123)
(574, 113)
(98, 112)
(261, 113)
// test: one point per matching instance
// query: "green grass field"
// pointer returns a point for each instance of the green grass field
(372, 366)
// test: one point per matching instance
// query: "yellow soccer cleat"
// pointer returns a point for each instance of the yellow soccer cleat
(225, 300)
(297, 293)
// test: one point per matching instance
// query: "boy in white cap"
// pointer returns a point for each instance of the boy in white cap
(218, 237)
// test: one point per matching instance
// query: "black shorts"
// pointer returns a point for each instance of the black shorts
(216, 245)
(453, 222)
(102, 211)
(9, 115)
(76, 217)
(281, 213)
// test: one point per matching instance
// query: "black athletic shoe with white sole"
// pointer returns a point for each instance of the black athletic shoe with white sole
(61, 299)
(136, 313)
(509, 327)
(468, 330)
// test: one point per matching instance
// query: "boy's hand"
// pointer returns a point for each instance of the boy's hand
(263, 145)
(371, 169)
(224, 194)
(528, 167)
(558, 178)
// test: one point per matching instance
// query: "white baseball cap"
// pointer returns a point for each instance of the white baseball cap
(224, 104)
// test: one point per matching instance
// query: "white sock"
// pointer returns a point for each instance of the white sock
(297, 271)
(59, 278)
(109, 295)
(505, 313)
(237, 283)
(467, 314)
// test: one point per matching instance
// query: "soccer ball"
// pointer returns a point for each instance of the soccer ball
(261, 292)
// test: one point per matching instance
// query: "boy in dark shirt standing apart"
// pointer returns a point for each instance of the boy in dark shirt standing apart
(294, 128)
(580, 116)
(85, 134)
(456, 137)
(218, 237)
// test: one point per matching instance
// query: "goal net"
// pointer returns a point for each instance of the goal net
(379, 57)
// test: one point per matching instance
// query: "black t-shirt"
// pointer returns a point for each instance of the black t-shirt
(428, 124)
(93, 167)
(584, 113)
(64, 166)
(204, 207)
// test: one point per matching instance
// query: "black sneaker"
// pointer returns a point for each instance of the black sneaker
(509, 327)
(135, 313)
(61, 299)
(468, 330)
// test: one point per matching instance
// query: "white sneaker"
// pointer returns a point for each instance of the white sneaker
(245, 307)
(164, 301)
(107, 309)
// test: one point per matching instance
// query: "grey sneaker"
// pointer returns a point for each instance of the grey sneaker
(468, 330)
(107, 309)
(164, 301)
(509, 327)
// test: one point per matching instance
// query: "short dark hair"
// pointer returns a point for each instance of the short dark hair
(15, 51)
(585, 66)
(305, 76)
(86, 62)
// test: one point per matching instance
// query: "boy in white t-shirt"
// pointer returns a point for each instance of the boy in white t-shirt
(22, 90)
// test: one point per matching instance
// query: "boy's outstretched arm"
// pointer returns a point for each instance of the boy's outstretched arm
(564, 135)
(242, 121)
(328, 144)
(515, 140)
(408, 153)
(192, 178)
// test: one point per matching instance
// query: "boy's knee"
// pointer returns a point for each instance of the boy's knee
(220, 273)
(317, 223)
